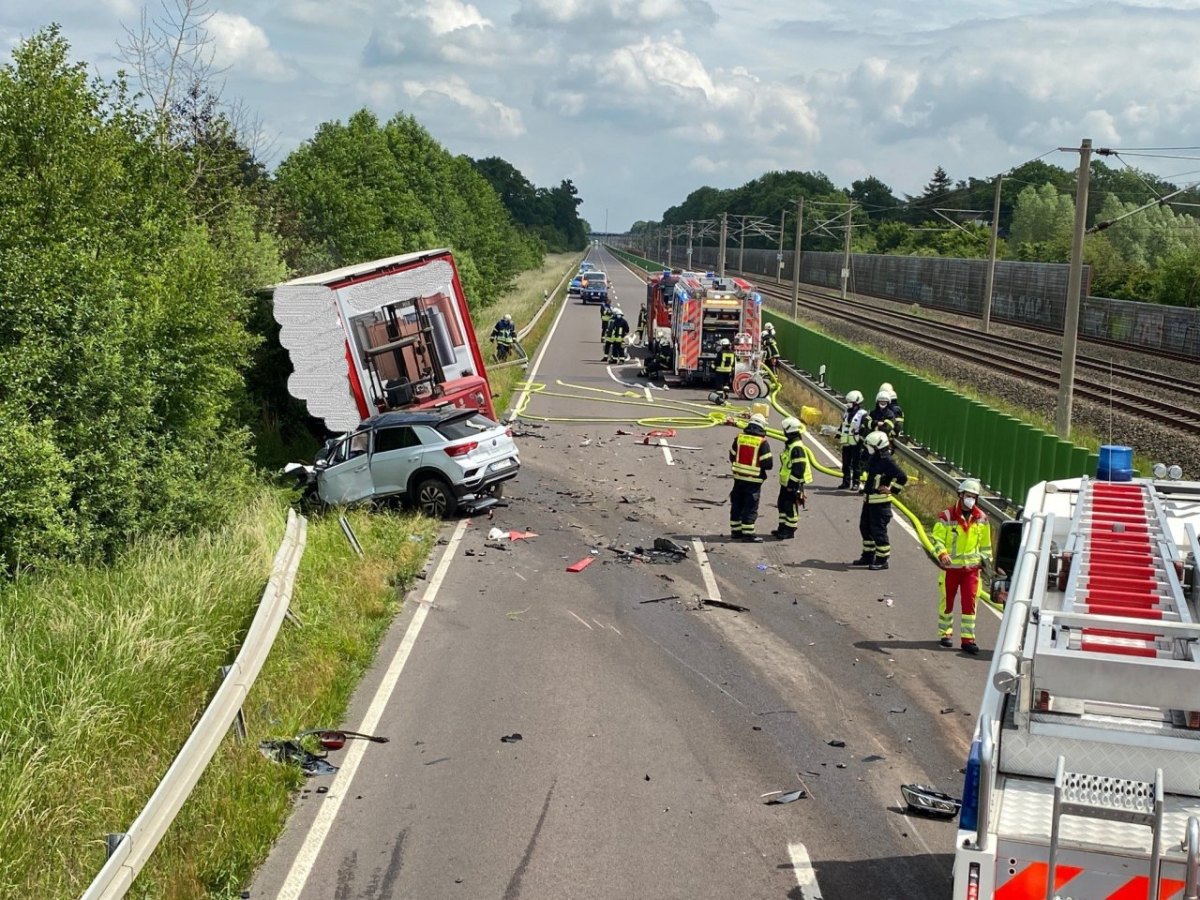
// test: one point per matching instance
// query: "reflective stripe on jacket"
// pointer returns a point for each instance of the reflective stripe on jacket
(882, 472)
(793, 464)
(751, 458)
(966, 537)
(851, 421)
(726, 361)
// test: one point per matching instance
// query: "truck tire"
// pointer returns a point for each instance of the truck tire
(434, 498)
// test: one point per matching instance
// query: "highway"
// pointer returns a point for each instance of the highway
(649, 731)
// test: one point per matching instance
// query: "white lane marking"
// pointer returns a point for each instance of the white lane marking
(649, 396)
(613, 376)
(662, 442)
(581, 622)
(805, 876)
(820, 445)
(614, 628)
(306, 858)
(537, 363)
(519, 575)
(710, 580)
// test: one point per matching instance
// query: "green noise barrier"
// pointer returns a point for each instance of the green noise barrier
(1006, 454)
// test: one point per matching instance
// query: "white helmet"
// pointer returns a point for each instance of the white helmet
(791, 425)
(876, 440)
(769, 328)
(758, 419)
(854, 397)
(724, 342)
(970, 486)
(507, 317)
(617, 311)
(883, 397)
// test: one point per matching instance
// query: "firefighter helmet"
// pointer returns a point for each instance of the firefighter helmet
(507, 317)
(887, 388)
(724, 342)
(769, 328)
(876, 440)
(970, 486)
(883, 397)
(758, 419)
(791, 425)
(854, 397)
(617, 311)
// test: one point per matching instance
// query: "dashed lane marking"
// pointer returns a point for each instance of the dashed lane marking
(581, 622)
(806, 878)
(662, 442)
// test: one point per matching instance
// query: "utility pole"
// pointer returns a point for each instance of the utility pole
(779, 252)
(691, 225)
(658, 245)
(796, 260)
(846, 251)
(742, 246)
(1066, 386)
(990, 284)
(721, 252)
(670, 242)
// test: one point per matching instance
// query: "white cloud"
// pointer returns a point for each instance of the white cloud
(239, 43)
(491, 116)
(611, 14)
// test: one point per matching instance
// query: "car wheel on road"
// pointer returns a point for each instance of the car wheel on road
(433, 498)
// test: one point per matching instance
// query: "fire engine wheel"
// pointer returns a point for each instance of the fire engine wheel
(433, 498)
(751, 390)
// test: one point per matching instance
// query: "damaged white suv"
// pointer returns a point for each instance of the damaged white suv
(439, 460)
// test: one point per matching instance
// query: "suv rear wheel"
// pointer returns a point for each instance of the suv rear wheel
(434, 498)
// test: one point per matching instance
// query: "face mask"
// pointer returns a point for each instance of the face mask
(968, 502)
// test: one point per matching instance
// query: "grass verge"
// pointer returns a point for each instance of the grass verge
(105, 672)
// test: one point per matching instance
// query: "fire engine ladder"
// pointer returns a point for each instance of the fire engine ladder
(1125, 635)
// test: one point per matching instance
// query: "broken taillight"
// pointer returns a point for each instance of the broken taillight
(461, 449)
(508, 432)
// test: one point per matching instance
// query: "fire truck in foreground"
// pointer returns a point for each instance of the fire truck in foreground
(391, 334)
(1083, 780)
(687, 316)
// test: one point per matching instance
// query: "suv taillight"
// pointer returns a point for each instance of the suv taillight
(508, 432)
(461, 449)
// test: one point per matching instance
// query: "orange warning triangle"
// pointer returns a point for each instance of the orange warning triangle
(1030, 882)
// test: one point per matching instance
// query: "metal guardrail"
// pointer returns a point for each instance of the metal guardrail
(130, 853)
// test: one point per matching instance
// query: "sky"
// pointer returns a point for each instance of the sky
(640, 102)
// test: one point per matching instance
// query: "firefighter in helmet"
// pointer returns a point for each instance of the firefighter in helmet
(751, 459)
(897, 410)
(794, 473)
(885, 480)
(770, 347)
(962, 541)
(606, 314)
(850, 436)
(614, 337)
(504, 336)
(880, 417)
(725, 364)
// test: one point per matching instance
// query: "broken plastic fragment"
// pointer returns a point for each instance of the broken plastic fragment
(789, 797)
(921, 798)
(836, 743)
(511, 738)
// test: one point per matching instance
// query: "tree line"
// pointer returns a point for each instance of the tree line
(135, 231)
(1150, 254)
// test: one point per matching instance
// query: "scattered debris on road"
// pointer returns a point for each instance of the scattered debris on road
(661, 599)
(708, 601)
(293, 751)
(778, 797)
(511, 738)
(921, 798)
(836, 743)
(582, 564)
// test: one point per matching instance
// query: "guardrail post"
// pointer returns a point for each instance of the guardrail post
(239, 719)
(350, 536)
(112, 841)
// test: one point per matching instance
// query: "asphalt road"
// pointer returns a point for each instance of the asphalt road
(650, 731)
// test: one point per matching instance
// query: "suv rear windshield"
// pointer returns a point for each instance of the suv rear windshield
(595, 279)
(471, 426)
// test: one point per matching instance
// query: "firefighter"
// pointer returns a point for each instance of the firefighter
(885, 480)
(881, 417)
(640, 337)
(504, 336)
(614, 337)
(606, 314)
(897, 411)
(770, 348)
(726, 361)
(751, 459)
(794, 473)
(962, 540)
(851, 440)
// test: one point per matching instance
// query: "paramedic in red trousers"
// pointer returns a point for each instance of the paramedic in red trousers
(750, 456)
(962, 540)
(885, 480)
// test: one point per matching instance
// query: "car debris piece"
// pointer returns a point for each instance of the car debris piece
(789, 797)
(290, 752)
(511, 738)
(582, 564)
(708, 601)
(923, 799)
(666, 545)
(521, 535)
(836, 743)
(660, 599)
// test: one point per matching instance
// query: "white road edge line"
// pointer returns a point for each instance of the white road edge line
(710, 580)
(806, 878)
(306, 858)
(649, 396)
(662, 442)
(583, 623)
(537, 363)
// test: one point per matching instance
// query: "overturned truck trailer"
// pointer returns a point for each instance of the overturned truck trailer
(390, 334)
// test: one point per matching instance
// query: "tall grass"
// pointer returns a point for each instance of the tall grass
(104, 671)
